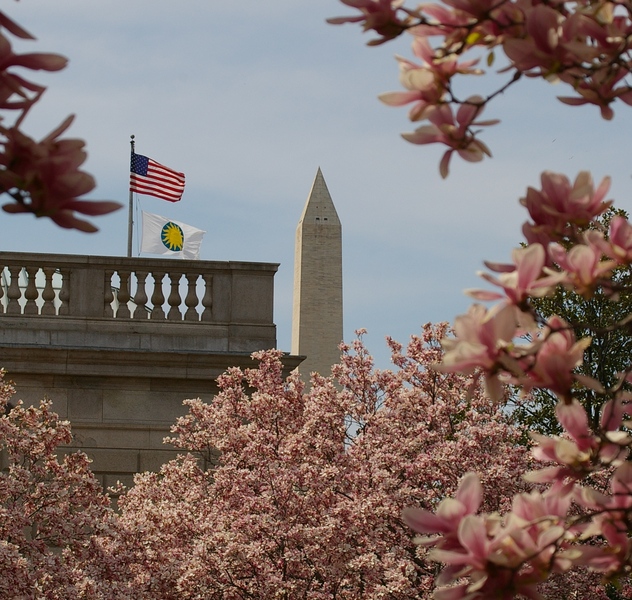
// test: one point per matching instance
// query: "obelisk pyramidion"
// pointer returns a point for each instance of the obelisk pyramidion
(317, 313)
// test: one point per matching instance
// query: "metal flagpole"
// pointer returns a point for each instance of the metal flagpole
(130, 220)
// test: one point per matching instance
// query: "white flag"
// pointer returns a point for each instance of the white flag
(163, 236)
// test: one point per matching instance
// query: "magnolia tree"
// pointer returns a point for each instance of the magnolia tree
(42, 177)
(50, 509)
(585, 45)
(294, 494)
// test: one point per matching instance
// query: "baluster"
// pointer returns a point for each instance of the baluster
(122, 311)
(207, 299)
(140, 297)
(14, 293)
(31, 293)
(157, 297)
(64, 292)
(108, 296)
(2, 283)
(192, 299)
(174, 299)
(48, 294)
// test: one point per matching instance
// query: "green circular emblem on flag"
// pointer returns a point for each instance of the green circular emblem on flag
(172, 236)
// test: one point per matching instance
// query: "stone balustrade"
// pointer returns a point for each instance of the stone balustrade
(228, 301)
(124, 288)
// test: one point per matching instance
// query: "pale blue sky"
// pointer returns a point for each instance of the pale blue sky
(249, 99)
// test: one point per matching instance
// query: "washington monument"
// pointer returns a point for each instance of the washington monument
(317, 312)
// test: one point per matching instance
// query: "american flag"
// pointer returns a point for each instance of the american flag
(153, 179)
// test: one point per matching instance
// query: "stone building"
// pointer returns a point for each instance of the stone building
(118, 343)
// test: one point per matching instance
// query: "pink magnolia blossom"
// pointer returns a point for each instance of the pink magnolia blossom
(552, 359)
(533, 532)
(618, 246)
(574, 456)
(525, 278)
(559, 204)
(450, 511)
(481, 340)
(534, 505)
(612, 512)
(550, 45)
(380, 16)
(498, 560)
(600, 90)
(455, 133)
(427, 83)
(583, 264)
(12, 85)
(47, 178)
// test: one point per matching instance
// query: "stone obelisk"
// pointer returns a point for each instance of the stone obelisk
(317, 314)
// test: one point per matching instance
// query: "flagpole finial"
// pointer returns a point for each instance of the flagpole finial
(131, 141)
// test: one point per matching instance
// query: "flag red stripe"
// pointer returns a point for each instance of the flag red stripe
(139, 180)
(157, 191)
